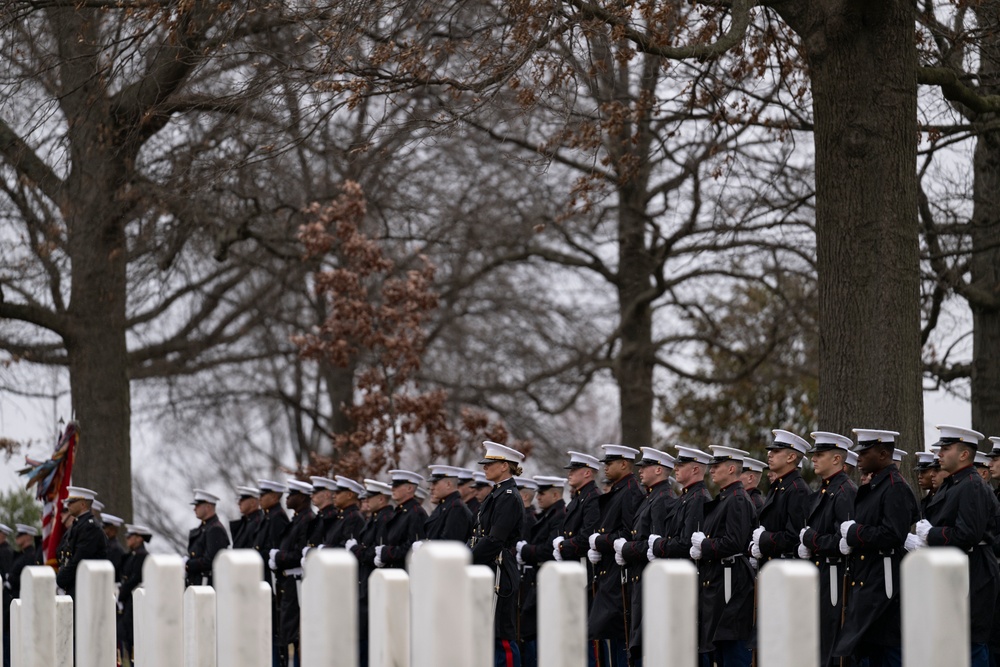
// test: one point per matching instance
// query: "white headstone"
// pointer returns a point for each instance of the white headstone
(482, 583)
(389, 619)
(38, 616)
(15, 632)
(64, 631)
(240, 612)
(562, 614)
(789, 598)
(669, 618)
(441, 634)
(935, 590)
(330, 609)
(161, 611)
(95, 614)
(199, 626)
(138, 626)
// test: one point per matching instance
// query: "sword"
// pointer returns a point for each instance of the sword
(887, 565)
(496, 583)
(834, 585)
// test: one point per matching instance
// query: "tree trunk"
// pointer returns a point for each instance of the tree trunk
(863, 71)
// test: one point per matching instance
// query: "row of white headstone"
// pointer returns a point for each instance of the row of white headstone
(440, 613)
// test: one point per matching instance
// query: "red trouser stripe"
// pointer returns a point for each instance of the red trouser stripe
(508, 654)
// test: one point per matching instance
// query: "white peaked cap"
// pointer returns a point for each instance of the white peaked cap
(323, 483)
(73, 492)
(134, 529)
(405, 477)
(981, 459)
(957, 433)
(497, 452)
(480, 478)
(247, 492)
(615, 452)
(654, 457)
(97, 505)
(787, 440)
(373, 486)
(852, 459)
(465, 475)
(270, 485)
(301, 487)
(545, 481)
(898, 454)
(926, 457)
(826, 440)
(687, 454)
(348, 484)
(581, 460)
(872, 435)
(995, 440)
(203, 496)
(526, 483)
(721, 454)
(112, 519)
(421, 493)
(443, 471)
(5, 529)
(753, 465)
(25, 529)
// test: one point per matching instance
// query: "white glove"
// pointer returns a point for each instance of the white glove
(556, 543)
(755, 550)
(845, 548)
(695, 552)
(757, 533)
(753, 563)
(378, 556)
(846, 526)
(517, 551)
(802, 534)
(913, 541)
(619, 545)
(593, 540)
(271, 563)
(620, 559)
(119, 606)
(350, 544)
(649, 554)
(652, 539)
(305, 550)
(594, 556)
(804, 552)
(697, 538)
(416, 545)
(923, 528)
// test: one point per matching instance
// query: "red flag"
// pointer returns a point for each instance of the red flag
(52, 478)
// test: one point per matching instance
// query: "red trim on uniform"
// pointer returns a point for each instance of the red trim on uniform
(508, 654)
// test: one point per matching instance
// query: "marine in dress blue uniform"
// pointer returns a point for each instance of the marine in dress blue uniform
(884, 510)
(274, 523)
(407, 523)
(608, 622)
(783, 514)
(244, 530)
(85, 540)
(205, 541)
(532, 551)
(494, 540)
(136, 538)
(752, 472)
(286, 563)
(819, 541)
(111, 524)
(451, 518)
(726, 578)
(963, 514)
(673, 540)
(376, 499)
(657, 505)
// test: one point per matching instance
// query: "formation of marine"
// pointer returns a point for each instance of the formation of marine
(625, 509)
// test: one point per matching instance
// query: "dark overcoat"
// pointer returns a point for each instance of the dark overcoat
(495, 536)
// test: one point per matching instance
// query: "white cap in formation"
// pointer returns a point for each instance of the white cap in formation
(97, 505)
(247, 492)
(869, 437)
(25, 529)
(951, 434)
(787, 440)
(270, 486)
(753, 465)
(320, 483)
(203, 496)
(618, 452)
(691, 454)
(898, 454)
(654, 457)
(982, 460)
(465, 476)
(996, 441)
(581, 460)
(113, 520)
(852, 459)
(926, 459)
(78, 492)
(480, 477)
(825, 440)
(545, 482)
(722, 454)
(405, 477)
(375, 487)
(134, 529)
(421, 493)
(348, 484)
(295, 486)
(5, 529)
(443, 472)
(526, 483)
(497, 452)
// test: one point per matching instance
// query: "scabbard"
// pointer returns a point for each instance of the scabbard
(834, 584)
(727, 582)
(887, 563)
